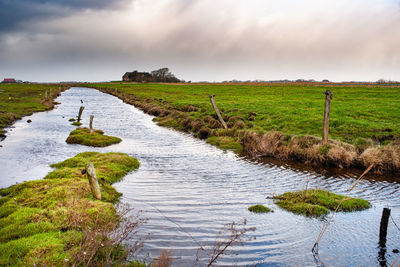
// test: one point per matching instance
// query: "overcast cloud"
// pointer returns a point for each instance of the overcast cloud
(200, 40)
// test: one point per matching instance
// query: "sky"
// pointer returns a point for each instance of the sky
(200, 40)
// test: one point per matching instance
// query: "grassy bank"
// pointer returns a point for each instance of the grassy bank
(50, 222)
(316, 202)
(95, 138)
(17, 100)
(281, 120)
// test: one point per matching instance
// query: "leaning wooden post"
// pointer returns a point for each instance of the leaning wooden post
(94, 184)
(384, 226)
(45, 95)
(328, 98)
(80, 113)
(91, 123)
(217, 111)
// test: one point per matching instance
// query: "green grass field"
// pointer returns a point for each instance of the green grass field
(17, 100)
(357, 111)
(281, 120)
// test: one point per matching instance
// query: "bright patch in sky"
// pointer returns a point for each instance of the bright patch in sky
(201, 40)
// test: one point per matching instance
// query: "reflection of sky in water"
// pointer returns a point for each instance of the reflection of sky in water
(183, 181)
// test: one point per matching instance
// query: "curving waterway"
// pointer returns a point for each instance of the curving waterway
(188, 190)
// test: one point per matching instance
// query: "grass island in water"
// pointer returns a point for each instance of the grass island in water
(259, 209)
(95, 138)
(317, 202)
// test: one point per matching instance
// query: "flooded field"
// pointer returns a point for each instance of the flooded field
(188, 189)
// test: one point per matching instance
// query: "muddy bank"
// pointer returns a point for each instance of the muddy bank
(241, 138)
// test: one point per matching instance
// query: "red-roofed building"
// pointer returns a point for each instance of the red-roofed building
(9, 80)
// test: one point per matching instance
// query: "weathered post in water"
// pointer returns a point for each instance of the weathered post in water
(328, 98)
(80, 113)
(93, 182)
(91, 123)
(384, 226)
(221, 120)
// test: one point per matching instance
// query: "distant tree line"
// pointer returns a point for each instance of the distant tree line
(161, 75)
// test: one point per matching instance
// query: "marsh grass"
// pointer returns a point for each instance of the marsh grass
(95, 138)
(42, 222)
(17, 100)
(317, 202)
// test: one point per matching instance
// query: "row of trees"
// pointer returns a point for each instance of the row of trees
(161, 75)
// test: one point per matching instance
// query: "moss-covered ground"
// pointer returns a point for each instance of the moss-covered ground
(95, 138)
(259, 209)
(17, 100)
(363, 123)
(41, 221)
(317, 202)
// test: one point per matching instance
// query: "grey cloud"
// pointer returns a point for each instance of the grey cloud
(15, 13)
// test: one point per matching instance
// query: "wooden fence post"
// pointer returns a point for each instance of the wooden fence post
(45, 95)
(221, 120)
(94, 184)
(80, 113)
(91, 122)
(384, 226)
(328, 98)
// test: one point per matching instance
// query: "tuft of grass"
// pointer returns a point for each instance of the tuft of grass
(259, 209)
(41, 221)
(225, 142)
(96, 138)
(317, 202)
(76, 123)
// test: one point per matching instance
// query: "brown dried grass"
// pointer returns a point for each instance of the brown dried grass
(384, 158)
(305, 148)
(163, 260)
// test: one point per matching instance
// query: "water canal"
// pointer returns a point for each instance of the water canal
(188, 189)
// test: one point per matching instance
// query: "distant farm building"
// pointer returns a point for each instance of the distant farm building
(9, 80)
